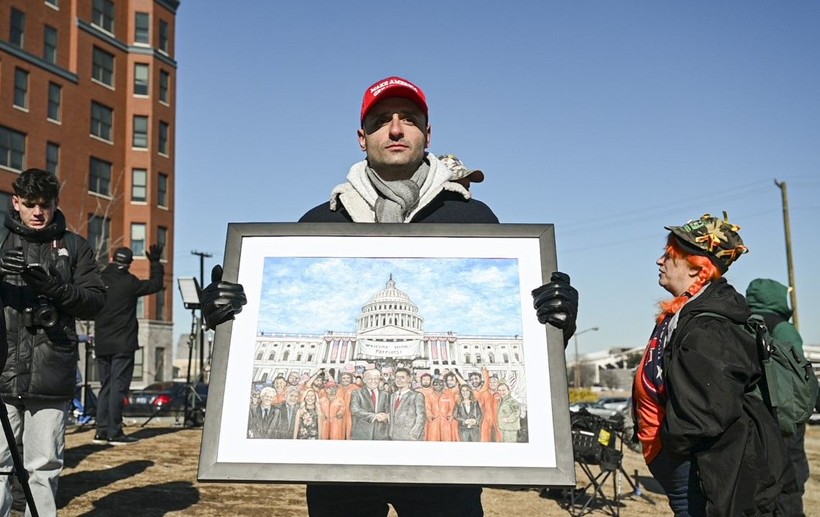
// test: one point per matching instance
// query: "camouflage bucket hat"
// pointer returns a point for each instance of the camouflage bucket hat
(460, 171)
(712, 237)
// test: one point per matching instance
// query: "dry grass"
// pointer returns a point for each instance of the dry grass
(157, 477)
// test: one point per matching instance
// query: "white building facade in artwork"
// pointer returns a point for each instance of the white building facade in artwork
(389, 332)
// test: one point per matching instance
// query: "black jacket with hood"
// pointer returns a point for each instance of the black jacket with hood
(42, 362)
(711, 367)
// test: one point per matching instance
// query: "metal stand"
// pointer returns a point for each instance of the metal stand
(192, 416)
(18, 469)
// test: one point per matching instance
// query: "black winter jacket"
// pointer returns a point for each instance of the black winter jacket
(42, 362)
(711, 367)
(116, 327)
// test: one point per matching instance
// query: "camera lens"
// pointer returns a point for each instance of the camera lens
(46, 316)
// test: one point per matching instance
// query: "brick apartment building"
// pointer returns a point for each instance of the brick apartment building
(88, 91)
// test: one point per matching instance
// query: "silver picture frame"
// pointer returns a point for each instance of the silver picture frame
(315, 292)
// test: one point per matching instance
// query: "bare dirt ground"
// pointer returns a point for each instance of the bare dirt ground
(157, 477)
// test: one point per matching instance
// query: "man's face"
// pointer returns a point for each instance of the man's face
(292, 398)
(318, 382)
(426, 381)
(34, 213)
(475, 380)
(438, 385)
(394, 136)
(279, 384)
(346, 379)
(267, 399)
(451, 381)
(372, 378)
(402, 380)
(293, 379)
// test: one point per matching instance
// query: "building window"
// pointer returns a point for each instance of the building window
(139, 359)
(20, 88)
(164, 79)
(142, 28)
(163, 138)
(159, 362)
(140, 140)
(99, 177)
(5, 204)
(102, 118)
(139, 185)
(102, 15)
(50, 44)
(102, 66)
(161, 305)
(140, 79)
(138, 238)
(162, 240)
(54, 3)
(17, 32)
(99, 231)
(162, 190)
(55, 96)
(12, 148)
(164, 37)
(53, 158)
(141, 307)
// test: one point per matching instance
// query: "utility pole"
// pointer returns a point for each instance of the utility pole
(577, 357)
(784, 194)
(202, 256)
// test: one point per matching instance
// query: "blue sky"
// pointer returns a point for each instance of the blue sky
(467, 296)
(608, 119)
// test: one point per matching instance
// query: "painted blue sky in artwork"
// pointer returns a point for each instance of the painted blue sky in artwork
(466, 296)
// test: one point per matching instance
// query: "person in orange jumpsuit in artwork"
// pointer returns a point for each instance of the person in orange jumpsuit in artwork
(488, 400)
(337, 414)
(346, 387)
(430, 407)
(448, 426)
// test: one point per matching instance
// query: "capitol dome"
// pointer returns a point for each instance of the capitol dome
(390, 323)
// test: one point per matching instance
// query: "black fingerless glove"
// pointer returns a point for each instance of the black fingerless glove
(556, 303)
(221, 300)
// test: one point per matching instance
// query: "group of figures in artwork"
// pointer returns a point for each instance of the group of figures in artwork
(388, 404)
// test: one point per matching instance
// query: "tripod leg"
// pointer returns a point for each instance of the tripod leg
(19, 469)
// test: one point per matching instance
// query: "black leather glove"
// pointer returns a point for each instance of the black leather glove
(154, 252)
(12, 262)
(556, 303)
(41, 281)
(221, 301)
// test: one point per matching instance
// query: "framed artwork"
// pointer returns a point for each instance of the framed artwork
(388, 353)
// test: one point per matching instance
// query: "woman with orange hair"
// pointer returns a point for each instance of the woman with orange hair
(712, 445)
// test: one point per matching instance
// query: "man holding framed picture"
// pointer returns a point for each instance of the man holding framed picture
(400, 182)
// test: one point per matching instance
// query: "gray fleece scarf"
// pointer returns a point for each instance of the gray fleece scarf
(397, 198)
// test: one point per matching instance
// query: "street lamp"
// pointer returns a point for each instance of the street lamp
(577, 359)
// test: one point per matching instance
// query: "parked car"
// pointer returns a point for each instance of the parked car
(167, 399)
(619, 403)
(814, 419)
(596, 408)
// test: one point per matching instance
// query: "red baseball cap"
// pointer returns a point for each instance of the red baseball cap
(393, 87)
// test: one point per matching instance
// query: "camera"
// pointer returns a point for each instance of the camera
(43, 314)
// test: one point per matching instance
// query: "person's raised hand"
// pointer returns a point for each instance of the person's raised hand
(154, 252)
(221, 300)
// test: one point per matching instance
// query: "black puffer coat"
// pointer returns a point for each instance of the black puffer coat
(711, 367)
(42, 362)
